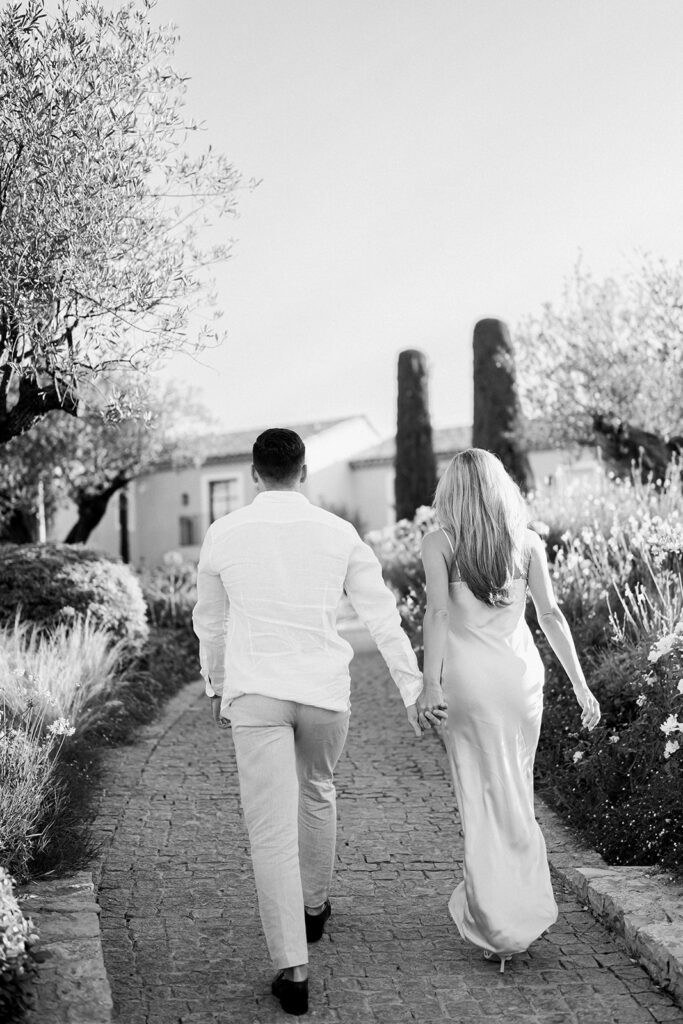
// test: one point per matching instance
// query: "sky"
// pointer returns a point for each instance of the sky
(422, 164)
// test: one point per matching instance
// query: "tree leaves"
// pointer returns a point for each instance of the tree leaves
(99, 200)
(612, 348)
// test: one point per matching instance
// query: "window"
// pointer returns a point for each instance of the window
(224, 496)
(184, 498)
(189, 531)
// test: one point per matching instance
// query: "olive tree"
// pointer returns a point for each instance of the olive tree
(608, 357)
(89, 459)
(101, 203)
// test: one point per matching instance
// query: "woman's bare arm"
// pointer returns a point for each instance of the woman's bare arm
(556, 629)
(435, 558)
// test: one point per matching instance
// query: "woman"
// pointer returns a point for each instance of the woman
(480, 660)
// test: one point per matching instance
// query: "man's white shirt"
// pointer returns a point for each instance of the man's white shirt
(269, 582)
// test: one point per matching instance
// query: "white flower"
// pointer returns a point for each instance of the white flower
(577, 756)
(678, 628)
(671, 725)
(173, 559)
(641, 699)
(61, 727)
(671, 747)
(662, 647)
(680, 686)
(614, 738)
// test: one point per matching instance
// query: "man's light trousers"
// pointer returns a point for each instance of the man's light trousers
(286, 756)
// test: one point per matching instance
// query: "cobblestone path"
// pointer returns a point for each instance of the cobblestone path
(182, 938)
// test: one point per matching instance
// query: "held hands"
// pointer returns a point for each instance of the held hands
(223, 723)
(590, 709)
(431, 706)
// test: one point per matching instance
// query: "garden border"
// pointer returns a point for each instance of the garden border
(641, 904)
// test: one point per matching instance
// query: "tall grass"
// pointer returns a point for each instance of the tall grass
(69, 673)
(170, 591)
(51, 686)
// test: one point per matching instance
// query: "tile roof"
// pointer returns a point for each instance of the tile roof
(446, 441)
(237, 445)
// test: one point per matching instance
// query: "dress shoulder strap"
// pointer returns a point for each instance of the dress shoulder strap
(450, 542)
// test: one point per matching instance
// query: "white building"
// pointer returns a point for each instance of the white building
(350, 472)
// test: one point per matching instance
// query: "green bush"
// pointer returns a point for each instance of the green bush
(620, 784)
(49, 584)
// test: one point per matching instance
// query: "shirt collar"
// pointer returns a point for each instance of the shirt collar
(280, 496)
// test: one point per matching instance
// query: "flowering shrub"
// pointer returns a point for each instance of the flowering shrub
(17, 938)
(620, 784)
(398, 550)
(30, 793)
(170, 591)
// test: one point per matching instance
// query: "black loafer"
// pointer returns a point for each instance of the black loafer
(293, 995)
(315, 923)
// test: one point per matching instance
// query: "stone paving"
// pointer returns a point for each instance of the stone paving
(182, 938)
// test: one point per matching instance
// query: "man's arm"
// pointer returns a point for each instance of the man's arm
(376, 607)
(209, 619)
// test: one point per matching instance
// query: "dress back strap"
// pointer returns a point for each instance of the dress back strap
(450, 542)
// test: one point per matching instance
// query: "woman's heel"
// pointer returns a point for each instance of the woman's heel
(504, 957)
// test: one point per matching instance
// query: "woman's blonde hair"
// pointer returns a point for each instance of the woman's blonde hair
(482, 507)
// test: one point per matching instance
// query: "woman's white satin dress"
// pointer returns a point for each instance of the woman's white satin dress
(493, 683)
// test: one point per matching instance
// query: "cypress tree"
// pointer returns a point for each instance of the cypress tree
(497, 424)
(415, 465)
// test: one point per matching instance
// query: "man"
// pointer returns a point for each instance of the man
(269, 582)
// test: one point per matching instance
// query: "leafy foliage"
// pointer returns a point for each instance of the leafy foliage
(101, 202)
(611, 348)
(88, 459)
(49, 584)
(17, 963)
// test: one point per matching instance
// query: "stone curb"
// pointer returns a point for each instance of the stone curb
(72, 985)
(640, 904)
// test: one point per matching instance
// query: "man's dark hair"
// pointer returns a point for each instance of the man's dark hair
(278, 454)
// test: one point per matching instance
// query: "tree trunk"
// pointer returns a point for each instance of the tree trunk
(415, 480)
(91, 508)
(626, 448)
(34, 402)
(497, 425)
(124, 533)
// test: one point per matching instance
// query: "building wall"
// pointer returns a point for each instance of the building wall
(159, 500)
(166, 497)
(373, 491)
(105, 537)
(332, 488)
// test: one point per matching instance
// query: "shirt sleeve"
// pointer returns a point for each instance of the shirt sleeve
(209, 619)
(376, 607)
